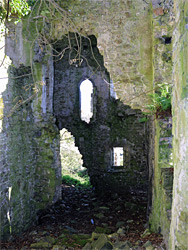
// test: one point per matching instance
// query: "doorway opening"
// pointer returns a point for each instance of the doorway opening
(73, 172)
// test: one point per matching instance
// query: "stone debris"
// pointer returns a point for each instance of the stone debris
(67, 228)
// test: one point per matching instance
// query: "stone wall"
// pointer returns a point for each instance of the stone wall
(161, 167)
(130, 45)
(36, 107)
(113, 124)
(30, 170)
(124, 34)
(160, 216)
(179, 225)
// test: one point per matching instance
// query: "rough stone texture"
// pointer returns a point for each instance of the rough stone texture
(160, 216)
(179, 225)
(33, 169)
(130, 40)
(30, 174)
(113, 124)
(160, 165)
(124, 34)
(163, 24)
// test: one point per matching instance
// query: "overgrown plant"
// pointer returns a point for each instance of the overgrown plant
(160, 102)
(161, 99)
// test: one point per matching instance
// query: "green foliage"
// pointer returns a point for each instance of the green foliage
(143, 119)
(161, 99)
(71, 160)
(70, 156)
(76, 180)
(160, 102)
(18, 8)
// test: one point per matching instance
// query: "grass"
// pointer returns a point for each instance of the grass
(73, 173)
(76, 180)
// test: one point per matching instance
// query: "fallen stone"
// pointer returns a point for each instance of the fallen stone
(41, 244)
(45, 233)
(62, 235)
(49, 240)
(104, 224)
(150, 248)
(102, 230)
(113, 236)
(118, 208)
(147, 244)
(146, 233)
(84, 236)
(71, 230)
(122, 245)
(95, 236)
(121, 231)
(120, 224)
(56, 247)
(129, 221)
(99, 215)
(102, 243)
(87, 247)
(104, 208)
(131, 206)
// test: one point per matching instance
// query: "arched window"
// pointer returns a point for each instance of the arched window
(86, 100)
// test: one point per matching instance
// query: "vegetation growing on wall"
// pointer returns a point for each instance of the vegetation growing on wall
(160, 102)
(161, 99)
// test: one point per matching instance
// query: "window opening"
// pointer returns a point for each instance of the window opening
(112, 90)
(118, 156)
(73, 172)
(86, 100)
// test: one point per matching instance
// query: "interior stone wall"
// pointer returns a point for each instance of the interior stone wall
(160, 214)
(124, 34)
(179, 225)
(32, 161)
(160, 149)
(113, 124)
(30, 169)
(134, 51)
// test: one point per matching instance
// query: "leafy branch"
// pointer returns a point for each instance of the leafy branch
(13, 8)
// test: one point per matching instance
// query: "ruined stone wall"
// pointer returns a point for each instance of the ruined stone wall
(33, 169)
(160, 216)
(132, 53)
(113, 124)
(124, 34)
(30, 177)
(179, 225)
(161, 167)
